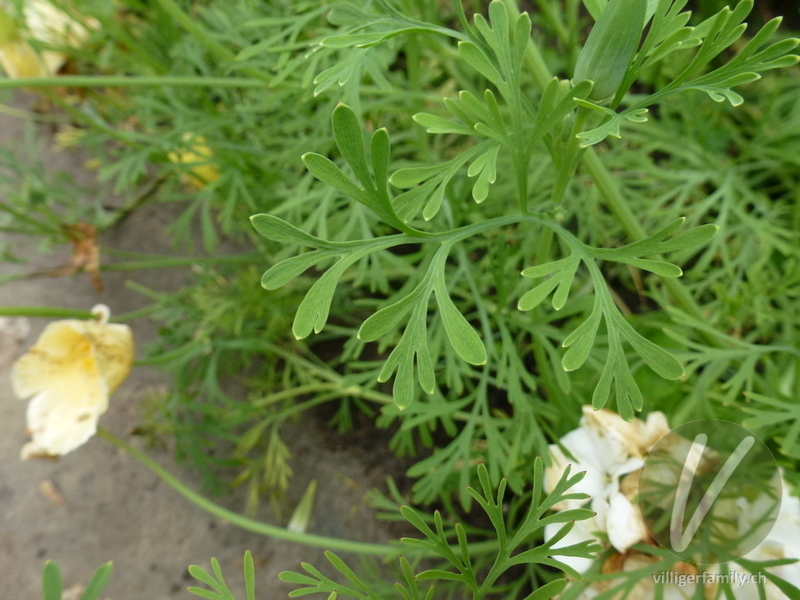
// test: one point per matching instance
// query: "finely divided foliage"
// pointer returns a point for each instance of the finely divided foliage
(507, 130)
(469, 247)
(458, 559)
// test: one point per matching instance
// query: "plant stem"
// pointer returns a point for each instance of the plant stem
(266, 529)
(273, 531)
(177, 261)
(570, 157)
(157, 262)
(192, 26)
(124, 81)
(616, 203)
(606, 184)
(45, 311)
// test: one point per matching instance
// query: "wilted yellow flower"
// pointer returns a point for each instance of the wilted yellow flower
(45, 23)
(198, 156)
(71, 371)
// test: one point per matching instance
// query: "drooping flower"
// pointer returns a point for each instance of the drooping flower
(611, 452)
(70, 373)
(198, 157)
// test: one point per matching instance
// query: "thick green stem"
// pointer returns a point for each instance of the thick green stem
(568, 162)
(156, 262)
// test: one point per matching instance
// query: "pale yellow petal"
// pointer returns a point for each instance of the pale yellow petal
(113, 349)
(645, 588)
(59, 350)
(20, 61)
(64, 416)
(199, 157)
(53, 60)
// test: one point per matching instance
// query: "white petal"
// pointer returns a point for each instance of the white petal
(629, 466)
(582, 531)
(587, 594)
(624, 524)
(64, 417)
(673, 591)
(593, 482)
(600, 505)
(613, 439)
(580, 444)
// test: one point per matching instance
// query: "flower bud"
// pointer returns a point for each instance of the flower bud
(611, 45)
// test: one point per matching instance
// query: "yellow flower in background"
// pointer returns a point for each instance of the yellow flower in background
(70, 373)
(20, 61)
(198, 157)
(18, 58)
(45, 23)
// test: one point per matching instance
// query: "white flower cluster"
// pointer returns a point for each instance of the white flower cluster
(611, 451)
